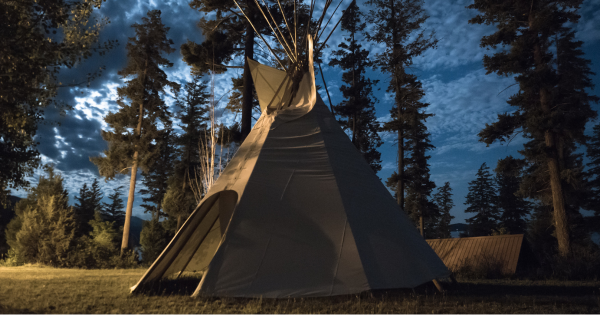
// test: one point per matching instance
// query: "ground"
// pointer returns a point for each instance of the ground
(33, 289)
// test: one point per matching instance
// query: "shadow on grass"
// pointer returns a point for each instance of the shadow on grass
(493, 289)
(182, 286)
(9, 310)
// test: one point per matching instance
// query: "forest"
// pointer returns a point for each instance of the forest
(165, 130)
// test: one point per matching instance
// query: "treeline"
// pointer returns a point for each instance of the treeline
(541, 194)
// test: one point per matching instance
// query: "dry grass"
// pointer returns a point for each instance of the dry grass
(48, 290)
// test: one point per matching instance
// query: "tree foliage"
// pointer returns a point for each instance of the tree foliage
(113, 211)
(513, 207)
(154, 238)
(357, 110)
(552, 104)
(37, 39)
(482, 200)
(88, 202)
(156, 179)
(396, 24)
(443, 200)
(593, 153)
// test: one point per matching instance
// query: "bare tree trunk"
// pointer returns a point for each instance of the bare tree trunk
(127, 225)
(247, 94)
(552, 160)
(400, 184)
(422, 225)
(134, 167)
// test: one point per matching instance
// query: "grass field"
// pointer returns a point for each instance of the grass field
(49, 290)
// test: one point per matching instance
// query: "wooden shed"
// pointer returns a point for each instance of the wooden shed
(507, 252)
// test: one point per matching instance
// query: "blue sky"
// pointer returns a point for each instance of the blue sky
(462, 97)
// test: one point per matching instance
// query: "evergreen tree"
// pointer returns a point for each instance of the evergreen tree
(37, 39)
(358, 107)
(419, 186)
(153, 238)
(482, 200)
(514, 207)
(552, 104)
(179, 200)
(86, 206)
(156, 179)
(443, 200)
(396, 24)
(33, 221)
(113, 211)
(132, 141)
(593, 153)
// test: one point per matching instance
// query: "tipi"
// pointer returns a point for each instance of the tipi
(297, 212)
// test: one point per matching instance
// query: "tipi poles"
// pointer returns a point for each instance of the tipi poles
(288, 26)
(282, 40)
(262, 38)
(325, 27)
(326, 90)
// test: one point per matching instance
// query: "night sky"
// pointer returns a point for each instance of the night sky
(462, 97)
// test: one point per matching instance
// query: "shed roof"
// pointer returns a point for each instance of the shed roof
(473, 251)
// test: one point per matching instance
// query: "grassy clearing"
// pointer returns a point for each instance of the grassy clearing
(49, 290)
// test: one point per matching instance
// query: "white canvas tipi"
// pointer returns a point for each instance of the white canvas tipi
(297, 212)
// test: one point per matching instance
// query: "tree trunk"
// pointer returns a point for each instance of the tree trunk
(247, 94)
(354, 129)
(422, 225)
(400, 185)
(126, 226)
(552, 160)
(178, 222)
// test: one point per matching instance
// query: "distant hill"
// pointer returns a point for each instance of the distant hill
(460, 227)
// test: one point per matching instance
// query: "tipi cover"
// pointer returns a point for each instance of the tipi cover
(297, 212)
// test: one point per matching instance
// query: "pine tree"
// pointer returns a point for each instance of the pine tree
(131, 143)
(156, 179)
(179, 200)
(552, 104)
(153, 238)
(113, 211)
(31, 60)
(593, 153)
(88, 202)
(514, 208)
(396, 24)
(358, 107)
(443, 200)
(482, 200)
(419, 186)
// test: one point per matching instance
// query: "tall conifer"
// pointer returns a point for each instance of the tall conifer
(552, 104)
(358, 107)
(134, 128)
(396, 24)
